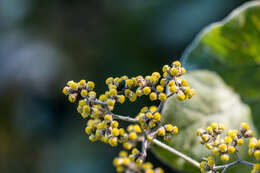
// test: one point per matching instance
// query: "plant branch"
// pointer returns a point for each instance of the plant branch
(124, 118)
(238, 161)
(172, 150)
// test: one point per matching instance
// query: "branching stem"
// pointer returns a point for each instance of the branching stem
(238, 161)
(172, 150)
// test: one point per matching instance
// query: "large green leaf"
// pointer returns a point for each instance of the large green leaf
(214, 101)
(232, 49)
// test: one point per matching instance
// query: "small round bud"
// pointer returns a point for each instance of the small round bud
(66, 90)
(183, 71)
(82, 83)
(113, 92)
(174, 71)
(244, 126)
(132, 136)
(139, 92)
(181, 96)
(161, 132)
(228, 140)
(184, 83)
(257, 154)
(113, 141)
(177, 63)
(72, 98)
(114, 124)
(223, 147)
(146, 90)
(115, 132)
(173, 89)
(224, 157)
(121, 99)
(231, 149)
(162, 97)
(84, 93)
(90, 85)
(157, 116)
(153, 96)
(159, 88)
(240, 142)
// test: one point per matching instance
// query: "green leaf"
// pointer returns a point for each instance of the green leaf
(214, 101)
(232, 49)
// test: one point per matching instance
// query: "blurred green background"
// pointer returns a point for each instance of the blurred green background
(45, 43)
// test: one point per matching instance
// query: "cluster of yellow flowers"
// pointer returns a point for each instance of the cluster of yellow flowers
(256, 168)
(223, 146)
(146, 126)
(254, 148)
(127, 163)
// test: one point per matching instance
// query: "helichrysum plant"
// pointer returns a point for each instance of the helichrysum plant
(146, 127)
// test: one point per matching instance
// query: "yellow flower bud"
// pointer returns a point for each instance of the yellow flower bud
(92, 138)
(157, 116)
(177, 63)
(110, 102)
(72, 98)
(90, 85)
(109, 80)
(211, 163)
(165, 68)
(240, 142)
(88, 130)
(183, 71)
(113, 141)
(114, 124)
(113, 92)
(228, 140)
(159, 88)
(184, 83)
(153, 96)
(133, 98)
(257, 154)
(121, 99)
(223, 147)
(115, 132)
(121, 131)
(174, 71)
(224, 157)
(86, 109)
(132, 136)
(244, 126)
(146, 90)
(92, 94)
(82, 103)
(162, 97)
(181, 96)
(139, 92)
(66, 90)
(231, 149)
(161, 132)
(129, 83)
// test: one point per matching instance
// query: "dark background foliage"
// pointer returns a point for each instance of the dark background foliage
(45, 43)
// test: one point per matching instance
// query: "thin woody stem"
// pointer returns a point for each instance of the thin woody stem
(125, 118)
(119, 117)
(172, 150)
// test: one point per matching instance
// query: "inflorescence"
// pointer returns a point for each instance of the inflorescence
(103, 124)
(225, 146)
